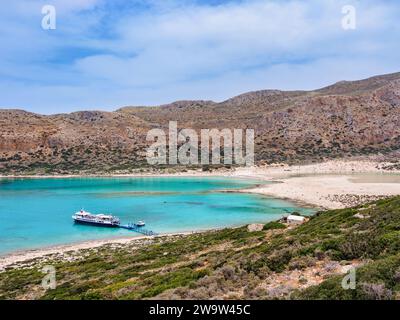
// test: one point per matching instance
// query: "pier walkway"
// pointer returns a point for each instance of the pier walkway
(133, 227)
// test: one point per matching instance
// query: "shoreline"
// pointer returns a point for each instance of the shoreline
(24, 255)
(328, 185)
(327, 192)
(336, 166)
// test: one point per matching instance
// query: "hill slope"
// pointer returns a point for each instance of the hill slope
(347, 118)
(307, 262)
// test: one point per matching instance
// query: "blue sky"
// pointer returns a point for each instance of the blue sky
(108, 54)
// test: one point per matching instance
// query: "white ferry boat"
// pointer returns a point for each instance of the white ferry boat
(101, 220)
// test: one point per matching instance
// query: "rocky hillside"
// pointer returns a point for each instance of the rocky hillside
(276, 262)
(345, 119)
(89, 140)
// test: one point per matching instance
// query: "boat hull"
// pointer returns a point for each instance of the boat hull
(97, 224)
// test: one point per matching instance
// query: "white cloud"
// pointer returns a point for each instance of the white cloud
(183, 51)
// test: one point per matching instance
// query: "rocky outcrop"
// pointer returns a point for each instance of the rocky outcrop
(342, 120)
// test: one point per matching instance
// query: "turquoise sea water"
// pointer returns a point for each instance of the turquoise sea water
(37, 212)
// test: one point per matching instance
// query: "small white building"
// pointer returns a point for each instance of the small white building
(295, 219)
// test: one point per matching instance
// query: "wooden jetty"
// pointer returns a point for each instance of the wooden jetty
(138, 229)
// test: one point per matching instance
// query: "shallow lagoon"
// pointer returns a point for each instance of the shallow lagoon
(37, 212)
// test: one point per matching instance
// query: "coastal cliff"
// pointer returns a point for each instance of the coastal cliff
(349, 118)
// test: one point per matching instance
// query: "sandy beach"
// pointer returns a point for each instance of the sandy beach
(331, 185)
(328, 192)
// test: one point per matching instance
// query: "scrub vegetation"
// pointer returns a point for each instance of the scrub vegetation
(308, 261)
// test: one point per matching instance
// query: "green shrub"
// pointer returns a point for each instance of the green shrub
(279, 260)
(179, 278)
(273, 225)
